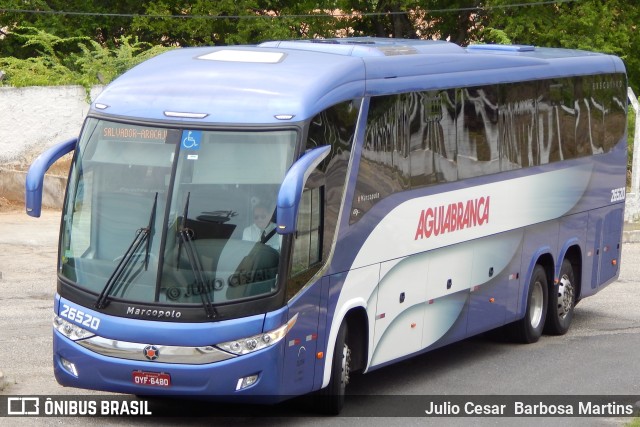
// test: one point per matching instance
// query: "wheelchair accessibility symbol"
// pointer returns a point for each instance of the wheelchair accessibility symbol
(191, 139)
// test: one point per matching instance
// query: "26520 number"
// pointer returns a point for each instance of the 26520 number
(618, 194)
(80, 317)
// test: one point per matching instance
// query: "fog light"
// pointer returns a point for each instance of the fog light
(69, 367)
(246, 382)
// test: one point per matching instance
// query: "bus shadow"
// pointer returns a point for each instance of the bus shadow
(367, 395)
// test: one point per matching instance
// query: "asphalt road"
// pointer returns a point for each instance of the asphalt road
(598, 356)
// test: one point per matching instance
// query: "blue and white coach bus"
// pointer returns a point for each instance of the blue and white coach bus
(260, 222)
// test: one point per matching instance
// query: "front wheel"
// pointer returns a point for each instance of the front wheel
(561, 302)
(529, 329)
(331, 398)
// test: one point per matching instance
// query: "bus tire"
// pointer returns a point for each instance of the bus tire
(561, 302)
(331, 398)
(529, 329)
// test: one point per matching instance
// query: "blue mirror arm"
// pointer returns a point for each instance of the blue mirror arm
(35, 176)
(292, 187)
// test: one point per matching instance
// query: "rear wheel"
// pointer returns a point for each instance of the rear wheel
(331, 398)
(529, 328)
(561, 302)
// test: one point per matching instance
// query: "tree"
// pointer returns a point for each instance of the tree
(596, 25)
(605, 26)
(71, 60)
(227, 22)
(453, 20)
(100, 25)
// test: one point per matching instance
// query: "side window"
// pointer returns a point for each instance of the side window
(558, 120)
(581, 95)
(610, 95)
(517, 126)
(434, 152)
(615, 101)
(308, 239)
(306, 258)
(410, 142)
(595, 107)
(384, 156)
(478, 136)
(322, 198)
(418, 139)
(562, 98)
(602, 102)
(334, 127)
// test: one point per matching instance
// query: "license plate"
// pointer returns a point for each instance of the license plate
(154, 379)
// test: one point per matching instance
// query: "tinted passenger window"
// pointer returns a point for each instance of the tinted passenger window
(478, 137)
(410, 141)
(434, 151)
(323, 193)
(418, 139)
(307, 244)
(558, 119)
(517, 124)
(335, 127)
(584, 137)
(613, 93)
(384, 164)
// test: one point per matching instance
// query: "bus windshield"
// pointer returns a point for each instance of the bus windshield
(174, 216)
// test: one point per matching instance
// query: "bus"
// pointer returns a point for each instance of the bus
(260, 222)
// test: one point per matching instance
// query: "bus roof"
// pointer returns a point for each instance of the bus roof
(282, 81)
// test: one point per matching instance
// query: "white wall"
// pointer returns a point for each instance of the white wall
(34, 118)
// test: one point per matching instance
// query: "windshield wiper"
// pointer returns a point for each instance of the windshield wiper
(186, 235)
(152, 219)
(142, 235)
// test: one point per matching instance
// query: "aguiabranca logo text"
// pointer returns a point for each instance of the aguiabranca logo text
(453, 217)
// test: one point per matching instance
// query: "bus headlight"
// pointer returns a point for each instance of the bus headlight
(258, 342)
(69, 330)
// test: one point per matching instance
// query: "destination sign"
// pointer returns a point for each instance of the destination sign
(134, 132)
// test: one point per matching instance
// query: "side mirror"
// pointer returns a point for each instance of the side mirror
(35, 176)
(292, 186)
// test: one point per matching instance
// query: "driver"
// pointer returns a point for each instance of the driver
(262, 229)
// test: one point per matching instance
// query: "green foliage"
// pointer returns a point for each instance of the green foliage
(40, 71)
(102, 40)
(47, 65)
(493, 35)
(226, 22)
(102, 26)
(608, 26)
(453, 20)
(72, 60)
(98, 64)
(633, 423)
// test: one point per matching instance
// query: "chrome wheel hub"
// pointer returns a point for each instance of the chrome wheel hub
(565, 296)
(537, 302)
(346, 365)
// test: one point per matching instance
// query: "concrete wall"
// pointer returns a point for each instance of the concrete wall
(33, 119)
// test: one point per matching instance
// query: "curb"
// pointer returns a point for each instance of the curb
(12, 187)
(631, 236)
